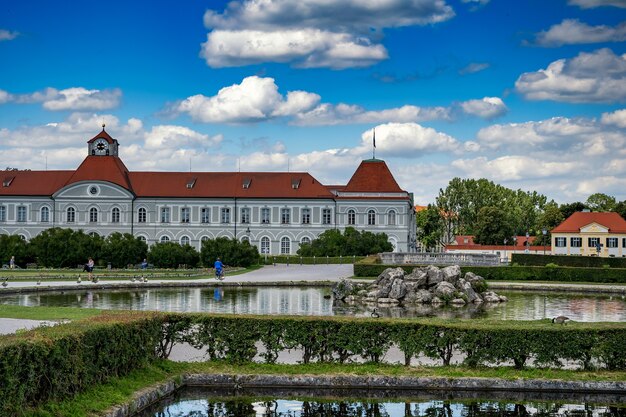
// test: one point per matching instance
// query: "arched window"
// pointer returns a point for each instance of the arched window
(71, 215)
(94, 234)
(93, 215)
(45, 214)
(204, 238)
(185, 240)
(265, 245)
(351, 217)
(391, 218)
(165, 239)
(142, 215)
(285, 246)
(371, 217)
(245, 239)
(142, 238)
(305, 239)
(115, 215)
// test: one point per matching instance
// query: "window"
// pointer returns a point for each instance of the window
(560, 242)
(245, 215)
(185, 240)
(185, 214)
(142, 215)
(204, 239)
(265, 245)
(115, 215)
(306, 216)
(351, 217)
(165, 214)
(94, 234)
(71, 215)
(624, 242)
(391, 218)
(93, 215)
(285, 246)
(21, 213)
(3, 213)
(225, 215)
(165, 239)
(611, 242)
(265, 215)
(245, 239)
(371, 217)
(326, 216)
(285, 216)
(205, 215)
(576, 242)
(593, 242)
(142, 238)
(305, 240)
(45, 214)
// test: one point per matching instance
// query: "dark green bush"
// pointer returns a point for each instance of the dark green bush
(564, 260)
(65, 248)
(310, 260)
(122, 250)
(14, 245)
(172, 255)
(231, 251)
(351, 242)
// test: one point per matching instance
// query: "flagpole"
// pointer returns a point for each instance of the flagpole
(374, 147)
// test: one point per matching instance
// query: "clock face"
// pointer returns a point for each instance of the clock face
(101, 145)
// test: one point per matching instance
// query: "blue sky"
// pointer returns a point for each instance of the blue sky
(529, 94)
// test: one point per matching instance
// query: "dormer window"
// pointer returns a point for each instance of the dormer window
(191, 183)
(7, 181)
(246, 183)
(295, 183)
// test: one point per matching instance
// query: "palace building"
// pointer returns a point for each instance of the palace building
(276, 211)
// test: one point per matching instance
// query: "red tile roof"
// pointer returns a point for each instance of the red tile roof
(103, 135)
(468, 240)
(32, 183)
(102, 168)
(373, 175)
(613, 221)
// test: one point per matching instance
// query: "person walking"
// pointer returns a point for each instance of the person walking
(219, 269)
(89, 267)
(12, 262)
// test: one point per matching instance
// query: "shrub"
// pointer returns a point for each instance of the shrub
(65, 248)
(231, 251)
(351, 242)
(564, 260)
(172, 255)
(122, 250)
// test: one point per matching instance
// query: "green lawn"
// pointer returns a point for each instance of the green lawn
(46, 313)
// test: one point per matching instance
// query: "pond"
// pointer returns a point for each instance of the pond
(318, 301)
(199, 402)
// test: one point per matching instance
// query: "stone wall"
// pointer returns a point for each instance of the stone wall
(426, 258)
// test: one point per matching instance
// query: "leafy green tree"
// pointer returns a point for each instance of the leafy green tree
(351, 242)
(65, 248)
(122, 250)
(14, 245)
(620, 208)
(172, 255)
(571, 208)
(231, 251)
(430, 227)
(548, 220)
(493, 226)
(601, 202)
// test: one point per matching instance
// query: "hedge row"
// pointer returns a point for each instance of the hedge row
(332, 339)
(518, 273)
(310, 260)
(53, 363)
(563, 260)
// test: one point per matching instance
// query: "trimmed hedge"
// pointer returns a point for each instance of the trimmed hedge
(517, 273)
(337, 339)
(563, 260)
(53, 363)
(310, 260)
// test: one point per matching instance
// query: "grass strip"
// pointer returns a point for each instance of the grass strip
(121, 390)
(47, 313)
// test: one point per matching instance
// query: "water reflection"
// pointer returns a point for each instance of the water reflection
(316, 301)
(198, 404)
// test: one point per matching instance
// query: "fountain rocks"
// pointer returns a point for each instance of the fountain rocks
(425, 285)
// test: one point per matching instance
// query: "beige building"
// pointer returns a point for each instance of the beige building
(590, 234)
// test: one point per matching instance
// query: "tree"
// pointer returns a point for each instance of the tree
(549, 219)
(172, 255)
(122, 250)
(351, 242)
(571, 208)
(620, 208)
(65, 248)
(14, 245)
(601, 202)
(231, 251)
(430, 227)
(493, 226)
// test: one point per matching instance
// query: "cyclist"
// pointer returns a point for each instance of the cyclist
(219, 269)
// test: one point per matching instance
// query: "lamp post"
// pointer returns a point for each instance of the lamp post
(506, 259)
(527, 242)
(544, 232)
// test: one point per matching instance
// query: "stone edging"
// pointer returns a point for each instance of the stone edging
(153, 394)
(570, 287)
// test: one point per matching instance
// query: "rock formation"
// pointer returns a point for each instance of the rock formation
(424, 285)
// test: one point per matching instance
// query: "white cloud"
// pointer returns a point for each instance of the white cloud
(599, 76)
(255, 99)
(311, 33)
(573, 31)
(474, 67)
(617, 118)
(487, 107)
(5, 97)
(589, 4)
(513, 168)
(406, 140)
(6, 35)
(75, 98)
(170, 137)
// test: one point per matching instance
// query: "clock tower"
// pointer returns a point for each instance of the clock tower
(102, 145)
